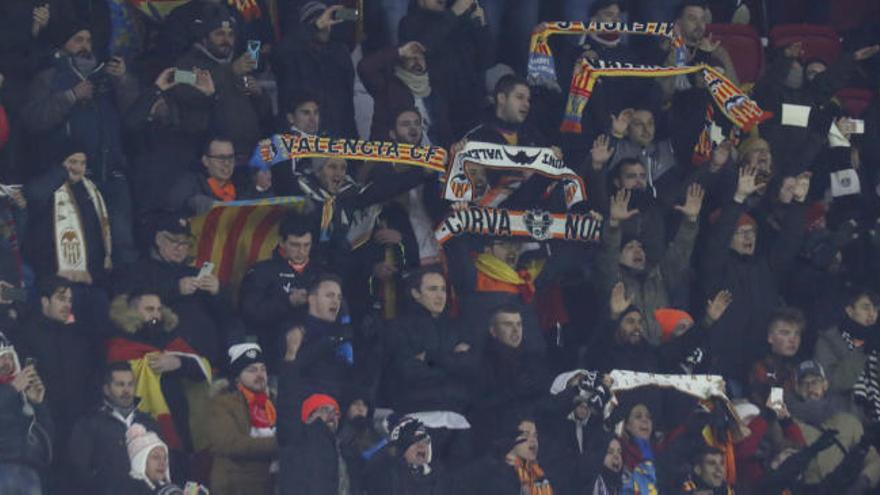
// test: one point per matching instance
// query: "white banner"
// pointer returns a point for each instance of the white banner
(536, 224)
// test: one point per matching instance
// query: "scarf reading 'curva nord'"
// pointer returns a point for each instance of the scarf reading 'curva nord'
(733, 103)
(542, 69)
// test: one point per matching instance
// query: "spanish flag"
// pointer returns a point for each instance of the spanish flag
(236, 234)
(149, 387)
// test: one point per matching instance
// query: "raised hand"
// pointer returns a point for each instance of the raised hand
(116, 67)
(708, 44)
(746, 184)
(244, 64)
(204, 81)
(327, 19)
(620, 122)
(411, 49)
(165, 80)
(601, 152)
(866, 52)
(693, 203)
(40, 17)
(716, 306)
(620, 208)
(620, 300)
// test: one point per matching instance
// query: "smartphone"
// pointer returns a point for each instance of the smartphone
(13, 294)
(858, 126)
(346, 14)
(776, 396)
(253, 48)
(185, 77)
(207, 269)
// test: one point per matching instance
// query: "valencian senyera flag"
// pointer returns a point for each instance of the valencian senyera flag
(236, 234)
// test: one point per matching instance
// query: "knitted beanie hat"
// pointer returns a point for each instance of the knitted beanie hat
(669, 319)
(243, 355)
(314, 402)
(140, 443)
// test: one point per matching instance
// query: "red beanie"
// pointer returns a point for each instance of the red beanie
(669, 318)
(316, 401)
(744, 219)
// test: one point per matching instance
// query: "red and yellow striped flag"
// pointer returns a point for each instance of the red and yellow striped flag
(236, 234)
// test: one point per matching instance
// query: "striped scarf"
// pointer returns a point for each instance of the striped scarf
(866, 390)
(542, 67)
(739, 108)
(531, 478)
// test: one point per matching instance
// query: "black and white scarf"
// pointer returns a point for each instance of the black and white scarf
(866, 391)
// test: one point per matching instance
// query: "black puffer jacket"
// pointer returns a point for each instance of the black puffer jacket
(98, 449)
(439, 382)
(310, 464)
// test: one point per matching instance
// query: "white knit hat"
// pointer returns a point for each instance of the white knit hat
(140, 443)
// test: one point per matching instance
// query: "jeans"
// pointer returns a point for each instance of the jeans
(18, 479)
(511, 23)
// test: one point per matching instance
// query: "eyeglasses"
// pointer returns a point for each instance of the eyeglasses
(178, 242)
(746, 234)
(222, 158)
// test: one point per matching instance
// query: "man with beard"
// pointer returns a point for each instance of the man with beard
(815, 412)
(66, 356)
(80, 100)
(398, 78)
(97, 444)
(206, 319)
(639, 142)
(164, 364)
(241, 427)
(648, 222)
(732, 261)
(651, 284)
(408, 467)
(238, 106)
(312, 463)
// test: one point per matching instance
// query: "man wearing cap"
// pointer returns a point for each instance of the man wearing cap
(238, 105)
(408, 467)
(732, 261)
(308, 60)
(206, 319)
(25, 424)
(650, 284)
(241, 427)
(312, 464)
(852, 462)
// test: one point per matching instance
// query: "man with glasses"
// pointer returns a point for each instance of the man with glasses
(195, 193)
(205, 316)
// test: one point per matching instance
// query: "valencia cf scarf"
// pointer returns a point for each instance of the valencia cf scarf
(532, 479)
(733, 103)
(71, 249)
(542, 68)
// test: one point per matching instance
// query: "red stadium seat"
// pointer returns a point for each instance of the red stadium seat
(820, 42)
(744, 46)
(854, 101)
(851, 14)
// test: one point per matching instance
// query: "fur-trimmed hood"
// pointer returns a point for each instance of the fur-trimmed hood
(129, 320)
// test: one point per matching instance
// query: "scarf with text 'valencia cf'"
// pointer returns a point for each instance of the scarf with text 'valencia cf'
(542, 68)
(733, 103)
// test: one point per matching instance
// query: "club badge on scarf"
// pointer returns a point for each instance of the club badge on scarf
(536, 224)
(282, 147)
(733, 103)
(542, 68)
(460, 185)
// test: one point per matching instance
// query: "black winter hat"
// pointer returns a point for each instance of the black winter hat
(64, 29)
(213, 17)
(243, 355)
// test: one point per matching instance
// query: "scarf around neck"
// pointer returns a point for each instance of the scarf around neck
(260, 410)
(225, 192)
(225, 60)
(419, 84)
(531, 478)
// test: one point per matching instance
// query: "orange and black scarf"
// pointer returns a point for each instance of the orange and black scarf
(531, 478)
(260, 408)
(225, 192)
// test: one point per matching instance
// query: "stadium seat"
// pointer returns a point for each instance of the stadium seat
(851, 14)
(744, 46)
(820, 42)
(854, 101)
